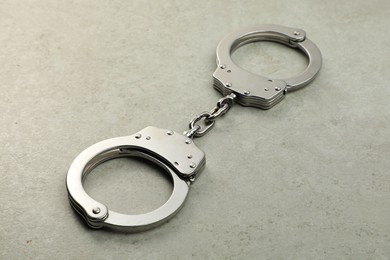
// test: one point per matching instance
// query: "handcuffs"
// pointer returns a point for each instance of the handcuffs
(176, 153)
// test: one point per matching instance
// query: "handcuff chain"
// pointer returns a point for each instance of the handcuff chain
(209, 117)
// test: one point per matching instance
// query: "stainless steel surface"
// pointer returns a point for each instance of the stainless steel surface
(181, 159)
(259, 91)
(207, 118)
(176, 153)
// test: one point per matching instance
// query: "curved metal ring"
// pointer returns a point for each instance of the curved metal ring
(98, 215)
(256, 90)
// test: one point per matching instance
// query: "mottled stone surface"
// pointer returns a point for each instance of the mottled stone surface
(308, 179)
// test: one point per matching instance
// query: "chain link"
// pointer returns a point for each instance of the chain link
(208, 118)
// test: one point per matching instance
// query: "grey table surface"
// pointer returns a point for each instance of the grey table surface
(308, 179)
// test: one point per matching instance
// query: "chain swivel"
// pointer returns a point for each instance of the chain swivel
(191, 133)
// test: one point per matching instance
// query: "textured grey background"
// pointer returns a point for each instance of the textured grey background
(308, 179)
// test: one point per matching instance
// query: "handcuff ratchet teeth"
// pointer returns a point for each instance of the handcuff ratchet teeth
(176, 153)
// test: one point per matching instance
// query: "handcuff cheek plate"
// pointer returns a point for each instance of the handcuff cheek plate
(174, 153)
(255, 90)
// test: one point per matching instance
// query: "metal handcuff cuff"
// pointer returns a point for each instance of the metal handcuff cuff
(176, 153)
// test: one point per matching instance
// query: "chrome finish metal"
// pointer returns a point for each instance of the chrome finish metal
(208, 118)
(191, 133)
(207, 125)
(167, 149)
(177, 154)
(258, 91)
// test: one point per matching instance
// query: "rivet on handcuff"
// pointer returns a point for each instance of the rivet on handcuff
(176, 153)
